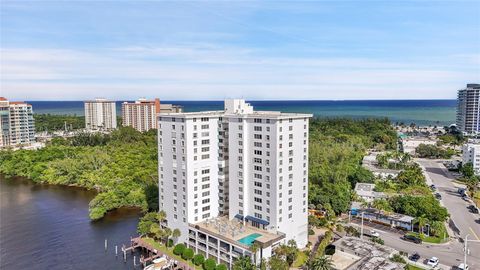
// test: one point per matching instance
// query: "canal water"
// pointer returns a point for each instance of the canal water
(47, 227)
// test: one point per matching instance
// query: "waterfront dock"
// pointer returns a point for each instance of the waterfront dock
(152, 254)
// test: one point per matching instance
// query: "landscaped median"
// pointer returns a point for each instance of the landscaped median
(430, 239)
(186, 255)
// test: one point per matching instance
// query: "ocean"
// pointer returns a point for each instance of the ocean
(420, 112)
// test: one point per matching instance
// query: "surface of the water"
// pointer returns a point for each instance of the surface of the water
(47, 227)
(421, 112)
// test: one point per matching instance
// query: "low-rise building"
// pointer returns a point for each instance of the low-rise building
(366, 192)
(370, 163)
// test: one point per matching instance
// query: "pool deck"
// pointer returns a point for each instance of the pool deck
(234, 230)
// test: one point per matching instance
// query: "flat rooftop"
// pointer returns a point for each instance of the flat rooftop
(255, 114)
(233, 230)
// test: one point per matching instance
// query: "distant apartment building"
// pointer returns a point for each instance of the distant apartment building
(471, 154)
(16, 123)
(142, 113)
(100, 114)
(468, 109)
(231, 178)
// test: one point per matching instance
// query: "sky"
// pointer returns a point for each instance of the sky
(258, 50)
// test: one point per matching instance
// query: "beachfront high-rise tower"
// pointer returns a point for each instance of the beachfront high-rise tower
(231, 178)
(17, 126)
(100, 114)
(468, 109)
(141, 114)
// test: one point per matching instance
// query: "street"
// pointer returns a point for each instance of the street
(464, 220)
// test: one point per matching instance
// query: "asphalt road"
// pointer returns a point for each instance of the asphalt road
(450, 254)
(465, 221)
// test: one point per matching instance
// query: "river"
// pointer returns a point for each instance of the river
(47, 227)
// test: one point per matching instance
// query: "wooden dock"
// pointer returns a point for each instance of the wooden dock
(153, 253)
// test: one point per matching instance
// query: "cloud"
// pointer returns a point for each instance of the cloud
(205, 71)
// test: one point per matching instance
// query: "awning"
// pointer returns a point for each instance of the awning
(254, 219)
(239, 216)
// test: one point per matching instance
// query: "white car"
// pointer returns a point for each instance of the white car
(462, 267)
(433, 262)
(374, 233)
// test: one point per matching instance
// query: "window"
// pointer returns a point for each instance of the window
(257, 160)
(257, 136)
(258, 200)
(257, 168)
(257, 128)
(205, 142)
(257, 120)
(257, 152)
(257, 144)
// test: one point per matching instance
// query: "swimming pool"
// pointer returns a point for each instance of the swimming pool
(248, 240)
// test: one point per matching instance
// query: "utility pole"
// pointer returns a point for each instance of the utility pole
(361, 228)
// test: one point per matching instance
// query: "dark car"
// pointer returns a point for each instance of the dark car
(415, 256)
(433, 187)
(473, 209)
(438, 196)
(411, 238)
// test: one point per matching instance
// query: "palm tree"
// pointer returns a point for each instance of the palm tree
(422, 221)
(320, 263)
(243, 263)
(167, 232)
(254, 248)
(161, 216)
(176, 233)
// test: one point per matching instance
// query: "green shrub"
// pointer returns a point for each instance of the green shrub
(178, 249)
(187, 254)
(397, 258)
(221, 267)
(198, 259)
(209, 264)
(170, 243)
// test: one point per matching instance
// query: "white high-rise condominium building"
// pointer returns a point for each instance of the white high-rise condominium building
(471, 154)
(468, 109)
(100, 114)
(17, 125)
(228, 179)
(142, 113)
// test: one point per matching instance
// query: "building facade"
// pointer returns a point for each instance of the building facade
(471, 154)
(100, 115)
(233, 178)
(468, 109)
(142, 113)
(17, 125)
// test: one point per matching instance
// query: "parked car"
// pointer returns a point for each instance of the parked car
(465, 198)
(433, 261)
(415, 257)
(438, 196)
(473, 209)
(411, 238)
(462, 267)
(374, 233)
(433, 187)
(461, 191)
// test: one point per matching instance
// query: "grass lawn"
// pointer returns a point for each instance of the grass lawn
(413, 267)
(168, 252)
(301, 259)
(430, 239)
